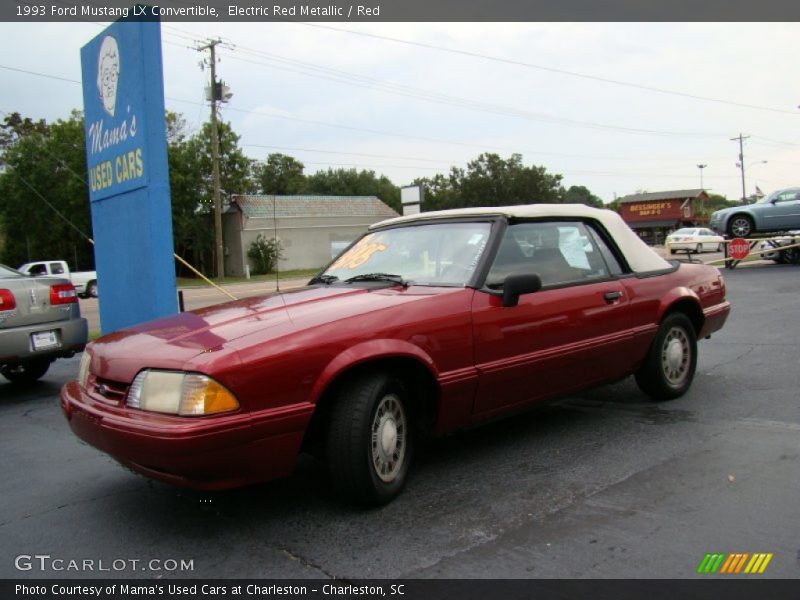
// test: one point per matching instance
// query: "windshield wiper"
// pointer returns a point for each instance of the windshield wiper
(326, 279)
(378, 277)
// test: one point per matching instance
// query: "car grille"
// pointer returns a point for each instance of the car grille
(106, 390)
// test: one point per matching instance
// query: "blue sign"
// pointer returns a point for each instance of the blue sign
(126, 151)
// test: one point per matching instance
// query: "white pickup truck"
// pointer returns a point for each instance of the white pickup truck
(85, 282)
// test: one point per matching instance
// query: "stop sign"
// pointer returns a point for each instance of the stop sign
(738, 249)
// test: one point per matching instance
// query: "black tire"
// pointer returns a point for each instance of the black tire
(91, 289)
(370, 438)
(26, 372)
(719, 247)
(668, 369)
(791, 256)
(698, 249)
(671, 251)
(740, 226)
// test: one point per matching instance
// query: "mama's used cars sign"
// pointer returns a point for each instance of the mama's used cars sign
(115, 124)
(126, 151)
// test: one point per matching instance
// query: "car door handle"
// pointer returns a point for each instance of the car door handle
(612, 296)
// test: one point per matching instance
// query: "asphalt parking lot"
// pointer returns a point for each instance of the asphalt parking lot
(606, 484)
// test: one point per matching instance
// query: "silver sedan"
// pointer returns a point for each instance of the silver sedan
(40, 321)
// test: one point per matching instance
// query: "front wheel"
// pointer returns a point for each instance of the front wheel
(668, 369)
(91, 289)
(698, 249)
(27, 372)
(741, 226)
(370, 438)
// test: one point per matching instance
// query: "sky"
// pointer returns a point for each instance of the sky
(618, 108)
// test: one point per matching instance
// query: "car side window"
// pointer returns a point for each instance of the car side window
(558, 252)
(37, 270)
(56, 269)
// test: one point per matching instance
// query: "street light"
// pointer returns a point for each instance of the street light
(701, 167)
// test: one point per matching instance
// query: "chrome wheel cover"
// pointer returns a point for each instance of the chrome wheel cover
(388, 440)
(676, 356)
(741, 227)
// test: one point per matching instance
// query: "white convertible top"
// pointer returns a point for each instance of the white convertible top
(639, 255)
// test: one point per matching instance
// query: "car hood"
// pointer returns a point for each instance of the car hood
(198, 339)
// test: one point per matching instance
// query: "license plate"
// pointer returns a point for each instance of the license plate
(42, 340)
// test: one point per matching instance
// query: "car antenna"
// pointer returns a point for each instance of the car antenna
(275, 239)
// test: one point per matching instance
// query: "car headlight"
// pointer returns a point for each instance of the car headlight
(179, 393)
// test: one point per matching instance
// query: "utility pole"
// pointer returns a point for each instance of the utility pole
(218, 247)
(741, 138)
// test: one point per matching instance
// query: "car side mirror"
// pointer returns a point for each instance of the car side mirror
(515, 286)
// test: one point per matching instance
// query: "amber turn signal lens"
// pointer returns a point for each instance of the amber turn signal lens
(203, 396)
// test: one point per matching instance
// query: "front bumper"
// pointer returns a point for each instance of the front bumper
(214, 452)
(16, 345)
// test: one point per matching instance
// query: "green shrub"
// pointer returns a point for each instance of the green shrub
(265, 253)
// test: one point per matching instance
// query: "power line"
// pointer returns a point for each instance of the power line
(528, 65)
(375, 132)
(388, 87)
(39, 74)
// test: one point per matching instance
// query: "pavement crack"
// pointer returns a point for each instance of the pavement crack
(739, 357)
(61, 506)
(309, 563)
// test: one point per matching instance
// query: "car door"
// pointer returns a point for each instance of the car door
(709, 240)
(572, 333)
(784, 212)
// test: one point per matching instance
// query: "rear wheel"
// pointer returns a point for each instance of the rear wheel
(791, 256)
(740, 226)
(91, 289)
(26, 372)
(370, 438)
(669, 368)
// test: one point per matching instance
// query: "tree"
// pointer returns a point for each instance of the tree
(491, 180)
(14, 127)
(351, 182)
(704, 208)
(279, 175)
(191, 186)
(45, 172)
(579, 194)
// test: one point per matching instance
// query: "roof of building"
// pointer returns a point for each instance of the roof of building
(639, 255)
(262, 206)
(668, 195)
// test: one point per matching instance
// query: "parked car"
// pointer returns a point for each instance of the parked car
(85, 282)
(427, 324)
(695, 239)
(40, 321)
(779, 211)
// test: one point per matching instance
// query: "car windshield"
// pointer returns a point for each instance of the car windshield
(9, 273)
(685, 232)
(428, 254)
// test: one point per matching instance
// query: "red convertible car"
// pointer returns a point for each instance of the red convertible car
(425, 325)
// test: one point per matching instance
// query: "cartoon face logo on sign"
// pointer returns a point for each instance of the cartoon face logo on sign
(108, 73)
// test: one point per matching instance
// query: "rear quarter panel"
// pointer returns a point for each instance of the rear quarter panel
(651, 297)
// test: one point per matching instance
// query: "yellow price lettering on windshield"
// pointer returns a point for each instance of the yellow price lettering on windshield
(358, 255)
